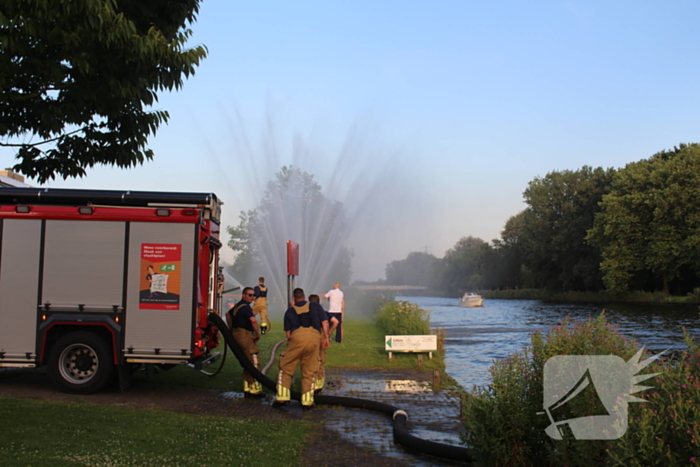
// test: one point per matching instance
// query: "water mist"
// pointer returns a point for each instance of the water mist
(355, 202)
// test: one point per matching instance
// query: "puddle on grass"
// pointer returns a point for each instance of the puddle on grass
(407, 385)
(437, 436)
(232, 395)
(432, 415)
(380, 385)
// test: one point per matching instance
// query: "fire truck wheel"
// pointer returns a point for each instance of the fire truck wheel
(80, 363)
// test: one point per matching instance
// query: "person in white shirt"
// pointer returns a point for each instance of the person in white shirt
(336, 309)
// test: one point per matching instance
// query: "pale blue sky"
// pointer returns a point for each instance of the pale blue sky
(451, 107)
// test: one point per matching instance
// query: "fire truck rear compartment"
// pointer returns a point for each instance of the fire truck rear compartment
(72, 287)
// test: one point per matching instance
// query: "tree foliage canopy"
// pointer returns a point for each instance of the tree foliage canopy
(464, 266)
(76, 78)
(636, 227)
(292, 208)
(417, 269)
(561, 209)
(651, 218)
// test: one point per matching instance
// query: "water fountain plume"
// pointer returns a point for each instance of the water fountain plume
(321, 198)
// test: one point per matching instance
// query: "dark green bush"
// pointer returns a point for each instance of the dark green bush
(403, 318)
(505, 425)
(666, 430)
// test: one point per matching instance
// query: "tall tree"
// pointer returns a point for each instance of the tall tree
(293, 208)
(561, 209)
(417, 269)
(464, 266)
(77, 77)
(508, 263)
(651, 219)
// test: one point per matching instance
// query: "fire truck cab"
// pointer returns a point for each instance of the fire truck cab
(94, 282)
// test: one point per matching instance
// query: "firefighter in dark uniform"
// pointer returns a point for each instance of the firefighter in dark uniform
(333, 323)
(306, 327)
(260, 305)
(244, 328)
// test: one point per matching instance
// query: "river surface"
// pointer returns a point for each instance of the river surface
(477, 336)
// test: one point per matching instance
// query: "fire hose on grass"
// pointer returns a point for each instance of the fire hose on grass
(399, 417)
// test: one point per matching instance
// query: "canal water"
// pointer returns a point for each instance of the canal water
(477, 336)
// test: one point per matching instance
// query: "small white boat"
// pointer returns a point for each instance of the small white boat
(471, 299)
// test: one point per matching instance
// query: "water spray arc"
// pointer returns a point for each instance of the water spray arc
(366, 189)
(346, 194)
(294, 207)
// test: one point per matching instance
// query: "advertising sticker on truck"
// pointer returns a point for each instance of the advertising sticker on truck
(160, 276)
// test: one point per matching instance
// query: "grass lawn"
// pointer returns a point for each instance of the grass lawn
(56, 434)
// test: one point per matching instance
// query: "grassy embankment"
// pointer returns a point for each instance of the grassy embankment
(593, 297)
(91, 435)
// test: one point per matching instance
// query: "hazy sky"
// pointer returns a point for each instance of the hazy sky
(427, 119)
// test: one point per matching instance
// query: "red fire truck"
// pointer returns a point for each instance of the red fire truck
(95, 282)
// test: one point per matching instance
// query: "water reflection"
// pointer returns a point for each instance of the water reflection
(477, 336)
(406, 385)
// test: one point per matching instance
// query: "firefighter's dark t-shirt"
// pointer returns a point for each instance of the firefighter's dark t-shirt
(259, 292)
(243, 315)
(292, 321)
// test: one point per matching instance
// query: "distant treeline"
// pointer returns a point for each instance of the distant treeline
(587, 230)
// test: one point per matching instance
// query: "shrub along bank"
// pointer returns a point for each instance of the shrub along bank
(403, 318)
(505, 424)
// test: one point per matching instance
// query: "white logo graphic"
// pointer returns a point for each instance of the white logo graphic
(588, 394)
(160, 283)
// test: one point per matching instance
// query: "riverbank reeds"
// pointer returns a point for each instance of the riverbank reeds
(505, 421)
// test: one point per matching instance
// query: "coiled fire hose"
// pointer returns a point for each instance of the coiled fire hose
(399, 417)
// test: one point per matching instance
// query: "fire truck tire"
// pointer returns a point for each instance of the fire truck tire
(80, 363)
